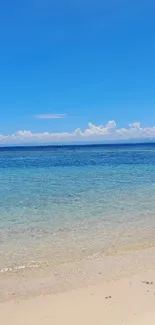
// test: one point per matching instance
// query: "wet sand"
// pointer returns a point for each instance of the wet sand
(129, 301)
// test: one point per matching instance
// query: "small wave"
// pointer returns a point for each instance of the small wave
(20, 267)
(33, 265)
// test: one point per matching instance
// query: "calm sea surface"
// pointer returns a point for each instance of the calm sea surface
(61, 204)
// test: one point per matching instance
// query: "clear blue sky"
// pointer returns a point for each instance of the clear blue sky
(92, 60)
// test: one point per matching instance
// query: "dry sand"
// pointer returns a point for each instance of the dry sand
(129, 301)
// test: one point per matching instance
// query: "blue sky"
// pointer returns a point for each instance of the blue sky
(92, 61)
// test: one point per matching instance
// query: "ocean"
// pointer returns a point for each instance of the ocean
(64, 204)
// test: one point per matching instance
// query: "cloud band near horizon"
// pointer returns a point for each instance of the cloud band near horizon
(109, 132)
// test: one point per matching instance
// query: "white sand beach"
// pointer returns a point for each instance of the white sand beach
(129, 301)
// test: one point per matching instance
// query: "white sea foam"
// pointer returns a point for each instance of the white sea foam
(19, 267)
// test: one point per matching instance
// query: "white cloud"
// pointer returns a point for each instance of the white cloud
(135, 125)
(50, 116)
(91, 133)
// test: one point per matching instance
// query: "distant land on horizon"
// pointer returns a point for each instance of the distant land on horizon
(80, 144)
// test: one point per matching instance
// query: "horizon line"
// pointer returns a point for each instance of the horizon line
(81, 144)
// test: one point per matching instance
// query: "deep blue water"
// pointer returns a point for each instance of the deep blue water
(69, 202)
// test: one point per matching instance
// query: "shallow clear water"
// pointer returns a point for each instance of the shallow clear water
(60, 204)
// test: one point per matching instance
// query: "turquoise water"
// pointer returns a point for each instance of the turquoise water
(60, 204)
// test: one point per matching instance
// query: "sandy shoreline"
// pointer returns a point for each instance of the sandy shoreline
(26, 284)
(126, 301)
(111, 290)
